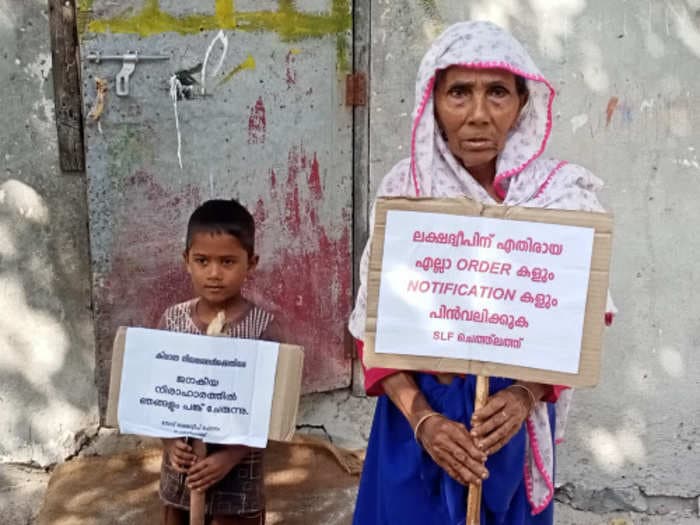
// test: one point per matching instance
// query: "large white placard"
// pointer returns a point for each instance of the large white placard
(217, 389)
(501, 291)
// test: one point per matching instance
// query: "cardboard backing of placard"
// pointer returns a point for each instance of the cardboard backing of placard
(285, 399)
(591, 343)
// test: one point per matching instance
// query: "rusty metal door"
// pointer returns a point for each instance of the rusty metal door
(225, 99)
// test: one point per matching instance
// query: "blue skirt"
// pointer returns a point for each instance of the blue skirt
(402, 485)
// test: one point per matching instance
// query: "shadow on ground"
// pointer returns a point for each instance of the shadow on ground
(305, 484)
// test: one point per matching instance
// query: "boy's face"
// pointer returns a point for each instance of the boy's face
(218, 265)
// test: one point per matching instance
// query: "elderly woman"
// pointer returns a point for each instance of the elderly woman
(482, 119)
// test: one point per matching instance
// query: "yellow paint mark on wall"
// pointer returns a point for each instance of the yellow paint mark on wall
(248, 63)
(287, 21)
(224, 10)
(84, 8)
(341, 52)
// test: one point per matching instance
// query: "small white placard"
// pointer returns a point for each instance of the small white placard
(493, 290)
(216, 389)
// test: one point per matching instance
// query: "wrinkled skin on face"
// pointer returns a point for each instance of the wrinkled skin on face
(475, 110)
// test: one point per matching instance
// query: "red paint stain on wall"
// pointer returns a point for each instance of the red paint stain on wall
(610, 110)
(305, 275)
(257, 123)
(291, 69)
(296, 162)
(145, 273)
(315, 179)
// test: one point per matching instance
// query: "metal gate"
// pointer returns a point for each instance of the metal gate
(221, 99)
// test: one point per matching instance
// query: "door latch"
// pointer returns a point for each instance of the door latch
(129, 61)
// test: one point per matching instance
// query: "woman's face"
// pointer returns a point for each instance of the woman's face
(476, 108)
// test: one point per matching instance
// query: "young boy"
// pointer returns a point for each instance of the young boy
(219, 255)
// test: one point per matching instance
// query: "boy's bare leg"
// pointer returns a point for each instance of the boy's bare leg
(173, 516)
(256, 519)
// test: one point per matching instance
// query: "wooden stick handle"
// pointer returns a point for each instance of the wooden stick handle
(198, 500)
(474, 498)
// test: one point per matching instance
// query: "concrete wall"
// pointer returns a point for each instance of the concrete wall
(47, 393)
(628, 109)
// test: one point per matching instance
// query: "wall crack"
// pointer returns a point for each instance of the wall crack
(626, 499)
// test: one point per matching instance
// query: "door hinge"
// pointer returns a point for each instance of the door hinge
(356, 90)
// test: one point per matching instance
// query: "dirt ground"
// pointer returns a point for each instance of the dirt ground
(305, 485)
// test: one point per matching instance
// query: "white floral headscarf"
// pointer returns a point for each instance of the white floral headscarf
(477, 45)
(523, 177)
